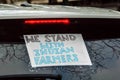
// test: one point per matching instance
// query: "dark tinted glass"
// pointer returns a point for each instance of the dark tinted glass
(102, 41)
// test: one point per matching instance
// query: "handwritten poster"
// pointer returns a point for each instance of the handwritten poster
(56, 50)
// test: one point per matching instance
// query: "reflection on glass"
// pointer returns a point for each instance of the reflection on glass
(103, 53)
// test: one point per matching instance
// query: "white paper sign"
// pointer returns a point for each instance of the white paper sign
(57, 50)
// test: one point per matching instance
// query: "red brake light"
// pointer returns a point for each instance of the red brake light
(52, 21)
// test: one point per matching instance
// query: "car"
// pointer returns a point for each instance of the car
(99, 27)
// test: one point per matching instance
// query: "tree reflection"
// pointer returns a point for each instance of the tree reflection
(103, 54)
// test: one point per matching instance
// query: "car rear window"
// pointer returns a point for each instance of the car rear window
(103, 45)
